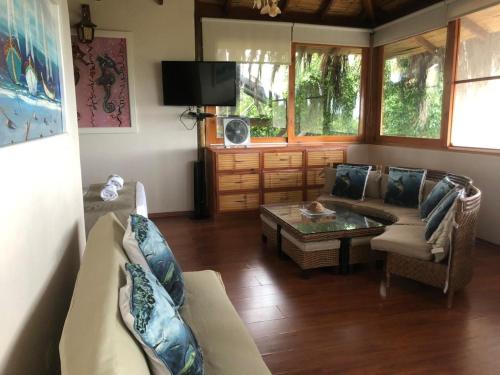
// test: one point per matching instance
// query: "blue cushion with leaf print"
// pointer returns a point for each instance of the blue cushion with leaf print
(437, 215)
(404, 187)
(145, 245)
(150, 314)
(350, 181)
(442, 188)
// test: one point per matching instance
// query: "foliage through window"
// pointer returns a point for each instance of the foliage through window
(327, 91)
(262, 98)
(413, 86)
(476, 112)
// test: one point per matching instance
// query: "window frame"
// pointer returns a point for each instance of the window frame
(446, 106)
(454, 82)
(290, 138)
(365, 63)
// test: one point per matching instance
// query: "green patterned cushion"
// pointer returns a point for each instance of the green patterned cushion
(404, 187)
(150, 314)
(145, 245)
(350, 181)
(439, 191)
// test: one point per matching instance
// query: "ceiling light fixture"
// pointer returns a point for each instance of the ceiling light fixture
(269, 7)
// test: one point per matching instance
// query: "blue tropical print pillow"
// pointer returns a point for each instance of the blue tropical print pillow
(442, 188)
(350, 181)
(404, 187)
(145, 245)
(438, 214)
(150, 314)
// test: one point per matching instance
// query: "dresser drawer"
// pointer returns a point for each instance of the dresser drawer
(283, 197)
(274, 180)
(282, 160)
(239, 182)
(235, 162)
(315, 177)
(323, 158)
(314, 193)
(238, 202)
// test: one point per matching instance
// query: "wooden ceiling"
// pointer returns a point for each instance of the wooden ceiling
(353, 13)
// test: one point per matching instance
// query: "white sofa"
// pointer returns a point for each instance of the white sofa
(96, 342)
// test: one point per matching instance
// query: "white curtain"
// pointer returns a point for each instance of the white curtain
(331, 35)
(247, 41)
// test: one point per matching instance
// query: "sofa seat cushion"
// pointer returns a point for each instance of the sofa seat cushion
(227, 347)
(345, 202)
(95, 341)
(408, 240)
(400, 215)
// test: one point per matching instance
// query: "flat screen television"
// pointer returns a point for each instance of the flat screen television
(196, 83)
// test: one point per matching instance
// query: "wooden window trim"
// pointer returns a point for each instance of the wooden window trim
(365, 64)
(291, 138)
(453, 84)
(447, 101)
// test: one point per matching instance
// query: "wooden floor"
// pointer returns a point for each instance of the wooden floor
(338, 324)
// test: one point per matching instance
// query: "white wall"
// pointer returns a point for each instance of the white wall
(483, 169)
(41, 237)
(160, 155)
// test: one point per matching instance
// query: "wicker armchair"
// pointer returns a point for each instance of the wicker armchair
(456, 272)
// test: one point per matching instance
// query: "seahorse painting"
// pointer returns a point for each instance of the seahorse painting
(107, 80)
(102, 91)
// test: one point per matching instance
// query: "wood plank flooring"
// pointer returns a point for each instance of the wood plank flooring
(341, 324)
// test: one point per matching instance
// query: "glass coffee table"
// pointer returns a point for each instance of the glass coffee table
(343, 225)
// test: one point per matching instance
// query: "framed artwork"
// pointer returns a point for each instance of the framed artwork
(31, 89)
(105, 95)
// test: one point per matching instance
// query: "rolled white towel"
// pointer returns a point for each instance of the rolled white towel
(109, 192)
(116, 180)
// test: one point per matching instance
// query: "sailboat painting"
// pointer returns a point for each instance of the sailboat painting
(30, 67)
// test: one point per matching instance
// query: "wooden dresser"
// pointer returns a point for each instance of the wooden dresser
(241, 179)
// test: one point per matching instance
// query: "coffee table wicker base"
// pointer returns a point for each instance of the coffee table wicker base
(307, 260)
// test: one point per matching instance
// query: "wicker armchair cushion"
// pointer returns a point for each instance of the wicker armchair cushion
(345, 202)
(400, 215)
(406, 240)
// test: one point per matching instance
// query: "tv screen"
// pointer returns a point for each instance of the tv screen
(195, 83)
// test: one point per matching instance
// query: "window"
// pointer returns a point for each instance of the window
(327, 91)
(262, 98)
(413, 86)
(476, 112)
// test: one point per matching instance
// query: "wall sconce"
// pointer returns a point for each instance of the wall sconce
(85, 29)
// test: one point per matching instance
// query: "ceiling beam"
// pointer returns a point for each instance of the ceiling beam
(474, 28)
(428, 46)
(325, 6)
(212, 10)
(370, 10)
(404, 10)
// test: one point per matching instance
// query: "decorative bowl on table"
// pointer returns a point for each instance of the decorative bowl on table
(316, 209)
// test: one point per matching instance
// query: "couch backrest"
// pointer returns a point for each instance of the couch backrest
(95, 341)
